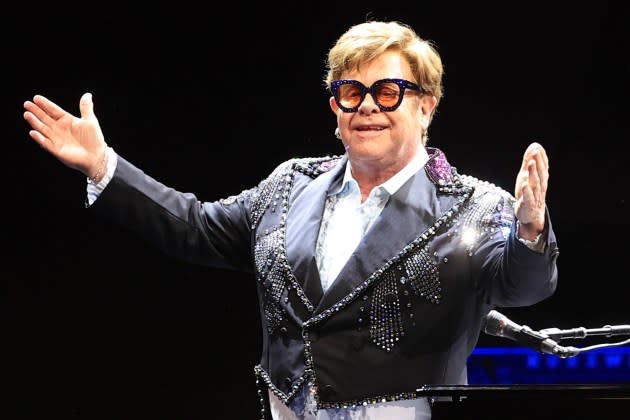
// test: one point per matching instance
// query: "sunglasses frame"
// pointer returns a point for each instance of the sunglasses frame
(402, 84)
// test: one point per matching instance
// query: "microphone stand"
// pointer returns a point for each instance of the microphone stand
(581, 332)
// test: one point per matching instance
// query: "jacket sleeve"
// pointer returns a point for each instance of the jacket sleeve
(511, 274)
(216, 234)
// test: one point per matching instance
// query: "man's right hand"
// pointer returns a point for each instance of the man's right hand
(77, 142)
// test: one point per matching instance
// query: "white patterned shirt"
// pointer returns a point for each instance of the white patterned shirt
(346, 219)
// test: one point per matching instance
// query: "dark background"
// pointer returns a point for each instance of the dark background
(97, 323)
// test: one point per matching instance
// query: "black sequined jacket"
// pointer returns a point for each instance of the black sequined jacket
(407, 308)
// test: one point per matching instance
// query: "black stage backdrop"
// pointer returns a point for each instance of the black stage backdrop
(97, 323)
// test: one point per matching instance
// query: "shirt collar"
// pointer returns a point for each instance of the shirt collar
(395, 182)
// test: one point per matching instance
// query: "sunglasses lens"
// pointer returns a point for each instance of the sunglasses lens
(349, 95)
(387, 94)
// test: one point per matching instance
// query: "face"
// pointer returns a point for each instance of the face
(382, 139)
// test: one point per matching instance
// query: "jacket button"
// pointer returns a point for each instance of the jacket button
(288, 382)
(283, 330)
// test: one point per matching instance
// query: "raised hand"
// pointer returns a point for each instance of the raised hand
(77, 142)
(531, 190)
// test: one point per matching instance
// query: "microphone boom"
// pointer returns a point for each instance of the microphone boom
(499, 325)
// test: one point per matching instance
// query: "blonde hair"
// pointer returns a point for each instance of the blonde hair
(366, 41)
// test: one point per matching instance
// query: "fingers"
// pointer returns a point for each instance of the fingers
(531, 186)
(37, 117)
(528, 183)
(542, 170)
(39, 139)
(527, 193)
(536, 152)
(38, 127)
(529, 154)
(539, 156)
(530, 205)
(50, 108)
(533, 150)
(42, 115)
(37, 132)
(536, 191)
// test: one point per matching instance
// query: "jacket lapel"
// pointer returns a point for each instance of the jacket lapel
(303, 222)
(412, 210)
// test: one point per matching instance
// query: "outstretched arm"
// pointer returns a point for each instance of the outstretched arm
(530, 192)
(77, 142)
